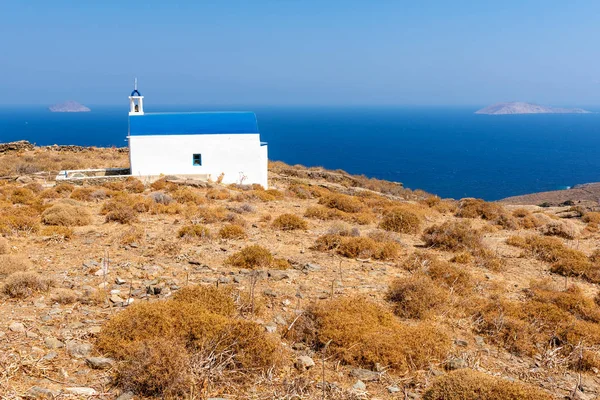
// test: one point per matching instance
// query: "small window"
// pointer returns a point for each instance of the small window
(197, 159)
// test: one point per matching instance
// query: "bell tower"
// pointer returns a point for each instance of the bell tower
(136, 101)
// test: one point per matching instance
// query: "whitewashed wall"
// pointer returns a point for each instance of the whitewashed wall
(234, 155)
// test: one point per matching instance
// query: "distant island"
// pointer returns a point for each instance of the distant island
(526, 108)
(69, 106)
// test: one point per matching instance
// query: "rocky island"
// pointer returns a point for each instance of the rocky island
(69, 106)
(526, 108)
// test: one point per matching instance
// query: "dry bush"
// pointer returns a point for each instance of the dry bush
(267, 195)
(22, 196)
(64, 189)
(4, 246)
(477, 208)
(157, 367)
(561, 229)
(159, 184)
(10, 264)
(289, 222)
(186, 195)
(217, 194)
(63, 296)
(343, 229)
(251, 257)
(462, 258)
(572, 300)
(466, 384)
(121, 213)
(323, 213)
(24, 284)
(521, 213)
(418, 260)
(161, 198)
(341, 202)
(64, 214)
(591, 217)
(57, 233)
(452, 236)
(416, 296)
(194, 231)
(564, 260)
(117, 186)
(232, 231)
(197, 324)
(400, 220)
(209, 215)
(135, 234)
(18, 219)
(449, 276)
(87, 194)
(486, 258)
(357, 247)
(134, 185)
(363, 333)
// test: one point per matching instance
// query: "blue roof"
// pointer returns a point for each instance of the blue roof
(135, 93)
(192, 123)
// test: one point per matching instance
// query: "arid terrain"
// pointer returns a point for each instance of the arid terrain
(326, 285)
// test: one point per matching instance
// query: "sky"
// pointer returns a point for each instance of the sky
(293, 52)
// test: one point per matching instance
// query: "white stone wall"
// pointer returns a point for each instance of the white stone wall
(234, 155)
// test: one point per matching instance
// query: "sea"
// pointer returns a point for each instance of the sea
(448, 151)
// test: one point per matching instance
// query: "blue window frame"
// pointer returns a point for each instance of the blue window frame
(197, 159)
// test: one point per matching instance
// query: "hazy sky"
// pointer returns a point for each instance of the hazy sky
(425, 52)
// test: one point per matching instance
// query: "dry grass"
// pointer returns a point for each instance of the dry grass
(466, 384)
(4, 246)
(10, 264)
(400, 220)
(232, 231)
(121, 213)
(564, 260)
(194, 231)
(64, 296)
(24, 284)
(357, 247)
(251, 257)
(65, 214)
(57, 233)
(363, 333)
(452, 236)
(341, 202)
(289, 222)
(416, 297)
(190, 336)
(477, 208)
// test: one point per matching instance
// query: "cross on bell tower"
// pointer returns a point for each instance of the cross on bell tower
(136, 101)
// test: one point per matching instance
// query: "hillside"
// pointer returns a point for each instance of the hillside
(526, 108)
(326, 285)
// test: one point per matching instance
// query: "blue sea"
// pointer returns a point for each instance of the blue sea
(447, 151)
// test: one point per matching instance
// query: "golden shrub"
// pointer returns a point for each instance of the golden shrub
(4, 247)
(135, 234)
(289, 222)
(24, 284)
(341, 202)
(10, 264)
(194, 231)
(415, 296)
(251, 257)
(452, 236)
(466, 384)
(462, 258)
(363, 333)
(63, 296)
(121, 213)
(218, 194)
(323, 213)
(187, 195)
(400, 220)
(477, 208)
(209, 215)
(64, 214)
(232, 231)
(190, 330)
(22, 196)
(57, 232)
(134, 185)
(83, 193)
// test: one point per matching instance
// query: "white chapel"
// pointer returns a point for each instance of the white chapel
(201, 144)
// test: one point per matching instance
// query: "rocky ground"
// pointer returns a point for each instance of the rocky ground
(98, 269)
